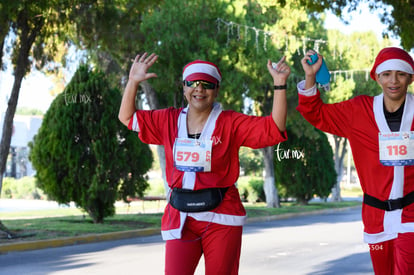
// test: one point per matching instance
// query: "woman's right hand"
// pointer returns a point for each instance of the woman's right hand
(139, 69)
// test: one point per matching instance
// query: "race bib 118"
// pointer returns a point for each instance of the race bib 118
(396, 148)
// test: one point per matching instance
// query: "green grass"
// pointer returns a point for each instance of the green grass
(122, 208)
(260, 209)
(68, 222)
(69, 226)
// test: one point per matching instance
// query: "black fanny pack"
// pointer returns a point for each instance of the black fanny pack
(389, 205)
(187, 200)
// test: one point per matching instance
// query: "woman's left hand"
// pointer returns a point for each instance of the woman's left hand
(280, 72)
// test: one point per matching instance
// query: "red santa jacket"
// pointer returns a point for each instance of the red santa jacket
(229, 131)
(360, 120)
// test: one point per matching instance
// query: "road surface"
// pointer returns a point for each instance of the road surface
(313, 244)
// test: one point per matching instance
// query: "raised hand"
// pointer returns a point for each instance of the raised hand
(280, 71)
(311, 70)
(139, 69)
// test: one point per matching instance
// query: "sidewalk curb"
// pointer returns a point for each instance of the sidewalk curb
(67, 241)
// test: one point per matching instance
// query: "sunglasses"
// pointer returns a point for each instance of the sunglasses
(205, 84)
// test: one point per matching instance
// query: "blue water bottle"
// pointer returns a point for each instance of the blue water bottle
(323, 77)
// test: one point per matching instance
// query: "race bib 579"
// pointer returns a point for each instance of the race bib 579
(192, 155)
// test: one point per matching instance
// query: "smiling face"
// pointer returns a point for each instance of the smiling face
(200, 99)
(394, 84)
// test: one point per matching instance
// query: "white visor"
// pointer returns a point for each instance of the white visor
(202, 68)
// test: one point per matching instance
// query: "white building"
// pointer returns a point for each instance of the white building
(25, 127)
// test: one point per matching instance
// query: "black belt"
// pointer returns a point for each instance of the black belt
(389, 205)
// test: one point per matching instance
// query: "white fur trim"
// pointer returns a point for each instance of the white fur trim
(225, 219)
(231, 220)
(394, 65)
(190, 177)
(309, 92)
(176, 232)
(135, 125)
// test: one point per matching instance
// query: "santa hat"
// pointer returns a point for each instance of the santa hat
(202, 70)
(392, 58)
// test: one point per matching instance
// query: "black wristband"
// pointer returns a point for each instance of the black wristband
(281, 87)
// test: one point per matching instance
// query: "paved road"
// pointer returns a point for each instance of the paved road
(317, 244)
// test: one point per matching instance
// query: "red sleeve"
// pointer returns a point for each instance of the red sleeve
(256, 132)
(332, 118)
(157, 126)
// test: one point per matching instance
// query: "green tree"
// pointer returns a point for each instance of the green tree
(83, 154)
(396, 14)
(98, 26)
(305, 166)
(277, 24)
(31, 23)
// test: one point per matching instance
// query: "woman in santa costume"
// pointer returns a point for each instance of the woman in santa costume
(379, 130)
(204, 214)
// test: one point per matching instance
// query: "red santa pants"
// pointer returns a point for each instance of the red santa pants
(394, 257)
(221, 245)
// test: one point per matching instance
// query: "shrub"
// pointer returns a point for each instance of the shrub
(24, 188)
(311, 174)
(251, 189)
(257, 193)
